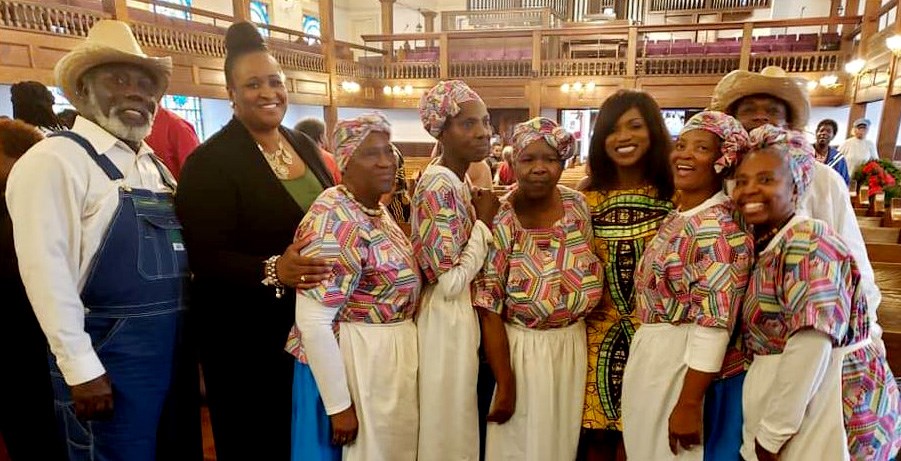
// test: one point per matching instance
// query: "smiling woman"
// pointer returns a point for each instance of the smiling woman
(242, 194)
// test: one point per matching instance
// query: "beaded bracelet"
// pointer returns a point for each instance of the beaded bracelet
(271, 280)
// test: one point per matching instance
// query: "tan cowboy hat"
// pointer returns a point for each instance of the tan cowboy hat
(773, 81)
(108, 42)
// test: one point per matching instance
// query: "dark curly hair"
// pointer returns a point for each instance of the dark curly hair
(33, 104)
(657, 172)
(16, 137)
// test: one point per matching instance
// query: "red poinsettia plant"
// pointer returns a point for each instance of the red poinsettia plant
(881, 176)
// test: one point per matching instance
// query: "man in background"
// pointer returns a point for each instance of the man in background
(857, 149)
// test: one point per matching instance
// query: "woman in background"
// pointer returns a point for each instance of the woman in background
(33, 104)
(628, 191)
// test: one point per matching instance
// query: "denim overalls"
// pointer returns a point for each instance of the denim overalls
(134, 299)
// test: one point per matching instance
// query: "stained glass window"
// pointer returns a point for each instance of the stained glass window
(259, 13)
(188, 108)
(171, 11)
(311, 26)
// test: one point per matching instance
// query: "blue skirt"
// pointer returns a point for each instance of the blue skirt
(723, 419)
(311, 429)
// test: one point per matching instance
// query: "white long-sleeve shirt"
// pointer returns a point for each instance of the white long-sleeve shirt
(858, 152)
(61, 204)
(827, 199)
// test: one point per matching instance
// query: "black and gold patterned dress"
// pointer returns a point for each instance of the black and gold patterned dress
(624, 222)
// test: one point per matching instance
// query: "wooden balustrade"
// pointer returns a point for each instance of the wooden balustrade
(488, 69)
(54, 19)
(560, 7)
(661, 6)
(583, 67)
(346, 68)
(799, 62)
(402, 70)
(686, 65)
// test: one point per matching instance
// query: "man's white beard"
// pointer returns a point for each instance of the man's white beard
(114, 124)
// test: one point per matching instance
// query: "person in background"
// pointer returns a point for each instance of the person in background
(33, 104)
(241, 195)
(804, 320)
(101, 251)
(688, 291)
(540, 280)
(496, 156)
(357, 329)
(315, 129)
(504, 175)
(857, 149)
(450, 237)
(172, 139)
(629, 192)
(827, 154)
(27, 421)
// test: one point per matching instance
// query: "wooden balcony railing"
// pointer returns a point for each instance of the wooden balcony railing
(687, 65)
(402, 70)
(482, 69)
(529, 18)
(54, 19)
(830, 61)
(560, 7)
(662, 6)
(583, 67)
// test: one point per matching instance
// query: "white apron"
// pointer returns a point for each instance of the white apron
(448, 373)
(381, 364)
(652, 382)
(822, 434)
(550, 371)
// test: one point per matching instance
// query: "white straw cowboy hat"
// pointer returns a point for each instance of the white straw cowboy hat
(108, 42)
(771, 81)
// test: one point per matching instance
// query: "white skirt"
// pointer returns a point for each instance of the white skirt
(822, 433)
(550, 371)
(652, 382)
(381, 364)
(448, 373)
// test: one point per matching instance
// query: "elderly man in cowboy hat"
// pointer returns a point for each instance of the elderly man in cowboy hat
(772, 97)
(100, 249)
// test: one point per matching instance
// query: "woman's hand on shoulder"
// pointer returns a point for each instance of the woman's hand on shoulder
(301, 272)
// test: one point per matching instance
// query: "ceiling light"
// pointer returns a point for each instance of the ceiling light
(829, 81)
(854, 67)
(577, 87)
(812, 85)
(397, 90)
(408, 90)
(894, 44)
(386, 90)
(564, 87)
(590, 86)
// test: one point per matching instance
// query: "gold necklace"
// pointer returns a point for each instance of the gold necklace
(278, 160)
(369, 211)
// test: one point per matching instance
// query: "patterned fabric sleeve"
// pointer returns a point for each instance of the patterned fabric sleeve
(815, 292)
(719, 274)
(583, 218)
(438, 223)
(326, 235)
(489, 286)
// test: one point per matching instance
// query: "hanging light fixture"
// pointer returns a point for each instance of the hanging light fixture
(893, 43)
(855, 67)
(386, 90)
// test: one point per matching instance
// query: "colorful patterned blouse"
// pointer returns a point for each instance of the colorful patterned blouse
(442, 220)
(696, 268)
(695, 271)
(374, 280)
(805, 278)
(541, 278)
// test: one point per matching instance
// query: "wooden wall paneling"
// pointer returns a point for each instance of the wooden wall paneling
(673, 92)
(502, 93)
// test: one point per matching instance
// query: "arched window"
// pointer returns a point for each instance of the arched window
(259, 13)
(186, 15)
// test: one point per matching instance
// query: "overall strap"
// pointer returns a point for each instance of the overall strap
(162, 169)
(102, 161)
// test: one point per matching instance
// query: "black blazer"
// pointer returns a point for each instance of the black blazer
(236, 214)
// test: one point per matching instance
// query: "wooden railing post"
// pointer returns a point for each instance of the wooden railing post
(443, 57)
(632, 57)
(327, 37)
(428, 17)
(536, 53)
(887, 138)
(387, 23)
(117, 8)
(241, 10)
(747, 35)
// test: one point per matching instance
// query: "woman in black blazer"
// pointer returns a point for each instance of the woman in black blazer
(240, 198)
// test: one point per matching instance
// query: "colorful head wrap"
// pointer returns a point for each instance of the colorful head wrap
(733, 137)
(794, 148)
(542, 129)
(349, 134)
(443, 102)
